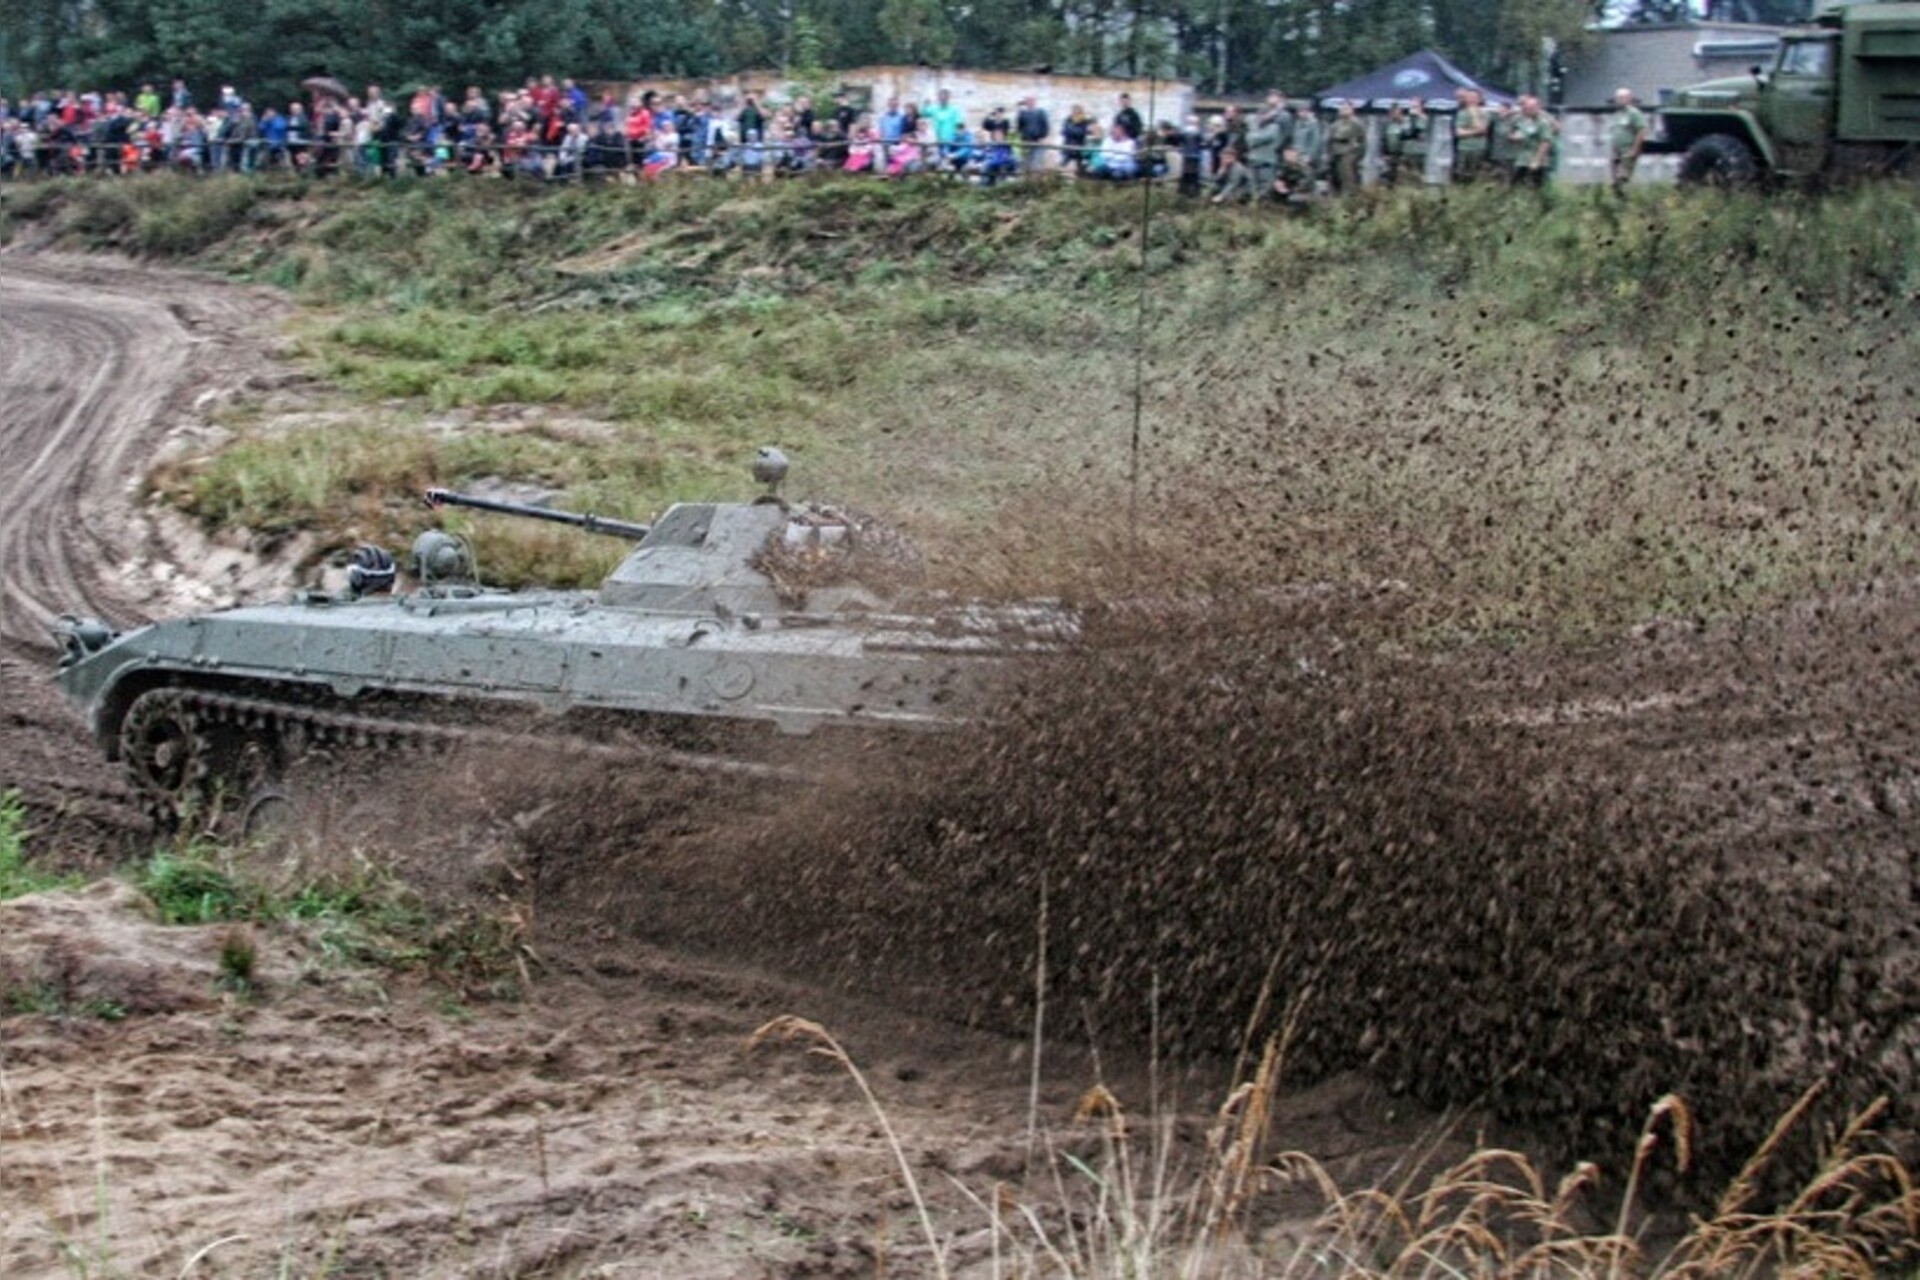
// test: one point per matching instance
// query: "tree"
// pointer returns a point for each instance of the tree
(1502, 40)
(39, 43)
(267, 46)
(918, 30)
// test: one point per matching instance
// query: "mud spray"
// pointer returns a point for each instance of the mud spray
(1488, 881)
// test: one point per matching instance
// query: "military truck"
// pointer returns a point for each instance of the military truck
(1842, 97)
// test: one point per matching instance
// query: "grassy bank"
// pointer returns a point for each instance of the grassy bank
(1565, 417)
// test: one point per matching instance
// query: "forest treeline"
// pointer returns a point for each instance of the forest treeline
(265, 47)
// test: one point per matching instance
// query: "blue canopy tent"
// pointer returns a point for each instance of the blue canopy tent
(1424, 75)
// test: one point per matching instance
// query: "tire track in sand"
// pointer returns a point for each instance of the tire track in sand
(107, 359)
(103, 362)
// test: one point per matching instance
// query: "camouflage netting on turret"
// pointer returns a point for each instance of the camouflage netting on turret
(823, 545)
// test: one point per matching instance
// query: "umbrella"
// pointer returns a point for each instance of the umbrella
(325, 86)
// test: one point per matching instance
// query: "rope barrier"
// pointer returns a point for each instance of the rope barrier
(590, 157)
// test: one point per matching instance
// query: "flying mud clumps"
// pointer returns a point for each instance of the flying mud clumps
(1226, 818)
(825, 546)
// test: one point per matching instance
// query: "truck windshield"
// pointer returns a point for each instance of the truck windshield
(1807, 58)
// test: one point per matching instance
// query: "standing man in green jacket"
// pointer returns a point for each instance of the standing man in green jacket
(1267, 137)
(1533, 136)
(1626, 137)
(1309, 142)
(1346, 148)
(1403, 141)
(1472, 135)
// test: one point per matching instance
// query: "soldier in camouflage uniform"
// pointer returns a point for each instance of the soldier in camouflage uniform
(1233, 184)
(1309, 145)
(1294, 183)
(1500, 147)
(1346, 148)
(1403, 140)
(1626, 136)
(1267, 137)
(1472, 133)
(1532, 135)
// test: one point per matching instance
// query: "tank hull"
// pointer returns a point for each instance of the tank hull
(560, 653)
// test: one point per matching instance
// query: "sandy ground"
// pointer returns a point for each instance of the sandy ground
(611, 1122)
(616, 1122)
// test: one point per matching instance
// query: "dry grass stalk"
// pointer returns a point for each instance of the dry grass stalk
(1857, 1212)
(819, 1040)
(1680, 1124)
(1490, 1215)
(1237, 1144)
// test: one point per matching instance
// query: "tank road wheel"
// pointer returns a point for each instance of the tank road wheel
(194, 769)
(1720, 160)
(168, 759)
(269, 812)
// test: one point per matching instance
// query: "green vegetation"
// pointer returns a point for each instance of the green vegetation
(187, 888)
(368, 917)
(1543, 418)
(17, 877)
(48, 1000)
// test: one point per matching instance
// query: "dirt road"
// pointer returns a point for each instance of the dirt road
(105, 360)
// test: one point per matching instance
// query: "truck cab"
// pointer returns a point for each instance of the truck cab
(1842, 95)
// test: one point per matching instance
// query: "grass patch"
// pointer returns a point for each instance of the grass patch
(1117, 1194)
(364, 917)
(188, 887)
(18, 877)
(47, 1000)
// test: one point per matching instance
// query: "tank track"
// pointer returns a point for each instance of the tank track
(218, 739)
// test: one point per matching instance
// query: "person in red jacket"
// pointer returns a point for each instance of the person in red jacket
(639, 127)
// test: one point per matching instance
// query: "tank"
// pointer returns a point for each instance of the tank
(730, 626)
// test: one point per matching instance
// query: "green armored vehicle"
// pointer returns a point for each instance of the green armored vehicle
(729, 625)
(1842, 97)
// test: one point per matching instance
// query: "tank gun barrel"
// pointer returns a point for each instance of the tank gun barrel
(580, 520)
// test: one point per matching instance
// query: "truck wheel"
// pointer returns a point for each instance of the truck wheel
(1719, 160)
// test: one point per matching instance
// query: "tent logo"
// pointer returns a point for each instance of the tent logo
(1411, 78)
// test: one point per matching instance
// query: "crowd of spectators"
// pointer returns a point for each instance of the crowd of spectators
(546, 131)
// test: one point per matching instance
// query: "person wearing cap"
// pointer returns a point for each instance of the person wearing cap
(1626, 137)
